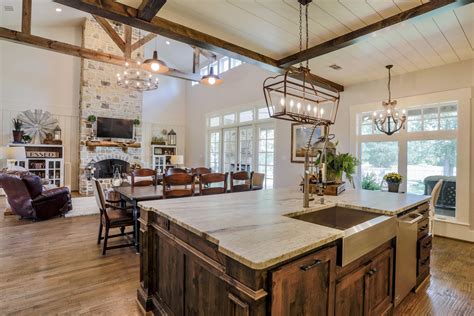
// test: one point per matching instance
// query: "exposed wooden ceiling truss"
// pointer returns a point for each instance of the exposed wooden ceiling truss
(149, 8)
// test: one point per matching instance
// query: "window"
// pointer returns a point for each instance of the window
(266, 150)
(236, 141)
(263, 113)
(425, 152)
(229, 119)
(224, 64)
(246, 116)
(214, 150)
(234, 63)
(377, 159)
(214, 121)
(427, 161)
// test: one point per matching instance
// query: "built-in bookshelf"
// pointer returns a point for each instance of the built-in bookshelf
(46, 161)
(161, 157)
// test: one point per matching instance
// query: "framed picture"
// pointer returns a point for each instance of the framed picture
(299, 137)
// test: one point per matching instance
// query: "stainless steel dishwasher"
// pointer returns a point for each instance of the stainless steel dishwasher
(405, 266)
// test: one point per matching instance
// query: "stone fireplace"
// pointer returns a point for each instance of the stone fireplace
(102, 97)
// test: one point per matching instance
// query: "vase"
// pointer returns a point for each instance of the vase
(17, 136)
(393, 186)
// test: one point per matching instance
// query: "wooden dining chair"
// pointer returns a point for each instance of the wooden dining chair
(143, 172)
(200, 170)
(241, 176)
(257, 181)
(206, 180)
(170, 171)
(111, 217)
(184, 183)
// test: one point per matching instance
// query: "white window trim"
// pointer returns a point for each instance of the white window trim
(463, 99)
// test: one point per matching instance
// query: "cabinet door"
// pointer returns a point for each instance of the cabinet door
(378, 283)
(350, 293)
(305, 286)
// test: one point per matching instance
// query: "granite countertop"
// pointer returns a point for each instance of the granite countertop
(251, 227)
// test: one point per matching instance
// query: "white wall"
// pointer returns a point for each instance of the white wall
(32, 78)
(244, 86)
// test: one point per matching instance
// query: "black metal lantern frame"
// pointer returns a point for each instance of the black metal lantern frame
(300, 101)
(172, 138)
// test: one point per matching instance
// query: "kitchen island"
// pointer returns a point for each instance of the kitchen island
(261, 252)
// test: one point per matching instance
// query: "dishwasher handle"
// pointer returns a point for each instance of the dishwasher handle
(412, 218)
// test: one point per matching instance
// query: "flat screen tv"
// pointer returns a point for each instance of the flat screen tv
(114, 128)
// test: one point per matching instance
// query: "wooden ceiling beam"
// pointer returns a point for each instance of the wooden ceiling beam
(128, 41)
(77, 51)
(111, 32)
(145, 39)
(427, 9)
(149, 8)
(125, 14)
(26, 16)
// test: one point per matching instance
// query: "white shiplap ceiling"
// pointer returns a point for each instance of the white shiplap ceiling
(270, 27)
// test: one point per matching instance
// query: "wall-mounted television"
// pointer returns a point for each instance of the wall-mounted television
(114, 128)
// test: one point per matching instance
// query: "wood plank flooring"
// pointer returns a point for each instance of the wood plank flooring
(55, 267)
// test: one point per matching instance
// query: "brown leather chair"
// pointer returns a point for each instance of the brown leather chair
(183, 180)
(241, 176)
(111, 217)
(26, 196)
(206, 180)
(143, 172)
(175, 171)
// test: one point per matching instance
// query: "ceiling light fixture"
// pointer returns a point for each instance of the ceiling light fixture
(58, 9)
(168, 42)
(211, 79)
(390, 121)
(300, 101)
(154, 64)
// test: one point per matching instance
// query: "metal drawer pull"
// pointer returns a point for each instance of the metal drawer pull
(311, 265)
(371, 272)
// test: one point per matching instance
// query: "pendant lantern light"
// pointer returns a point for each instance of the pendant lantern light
(300, 100)
(211, 79)
(154, 64)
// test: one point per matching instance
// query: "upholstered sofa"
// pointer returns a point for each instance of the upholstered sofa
(27, 197)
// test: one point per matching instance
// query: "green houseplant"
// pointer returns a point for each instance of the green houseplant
(393, 180)
(17, 132)
(369, 182)
(338, 164)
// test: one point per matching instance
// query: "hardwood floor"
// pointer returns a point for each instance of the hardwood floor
(55, 267)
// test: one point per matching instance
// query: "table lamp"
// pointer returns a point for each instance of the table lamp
(12, 155)
(177, 160)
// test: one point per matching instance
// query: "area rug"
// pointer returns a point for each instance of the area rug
(83, 206)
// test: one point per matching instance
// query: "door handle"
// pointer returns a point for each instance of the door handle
(306, 267)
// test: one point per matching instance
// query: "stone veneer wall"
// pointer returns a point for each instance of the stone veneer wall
(101, 96)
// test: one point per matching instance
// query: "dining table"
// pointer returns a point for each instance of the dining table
(134, 195)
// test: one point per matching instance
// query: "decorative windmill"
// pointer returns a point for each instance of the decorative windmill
(37, 124)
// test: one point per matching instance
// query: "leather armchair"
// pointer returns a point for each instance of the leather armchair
(26, 196)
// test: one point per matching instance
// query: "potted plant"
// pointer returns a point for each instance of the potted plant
(17, 132)
(136, 122)
(338, 164)
(393, 180)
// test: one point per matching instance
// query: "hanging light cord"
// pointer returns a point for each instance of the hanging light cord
(389, 89)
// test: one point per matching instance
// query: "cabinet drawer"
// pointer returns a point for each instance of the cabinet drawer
(424, 246)
(423, 227)
(423, 265)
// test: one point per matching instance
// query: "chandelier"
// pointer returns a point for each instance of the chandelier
(390, 121)
(300, 101)
(134, 77)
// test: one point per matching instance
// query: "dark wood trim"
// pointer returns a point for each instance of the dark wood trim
(128, 15)
(142, 41)
(77, 51)
(424, 10)
(26, 16)
(128, 41)
(149, 8)
(111, 32)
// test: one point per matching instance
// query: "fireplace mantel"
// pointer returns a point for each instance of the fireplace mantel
(91, 144)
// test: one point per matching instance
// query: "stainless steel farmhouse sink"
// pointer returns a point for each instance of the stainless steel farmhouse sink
(363, 231)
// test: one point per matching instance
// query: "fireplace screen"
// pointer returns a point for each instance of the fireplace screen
(105, 168)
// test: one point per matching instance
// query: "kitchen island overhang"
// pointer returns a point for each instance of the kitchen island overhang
(239, 239)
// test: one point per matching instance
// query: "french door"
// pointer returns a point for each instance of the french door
(238, 148)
